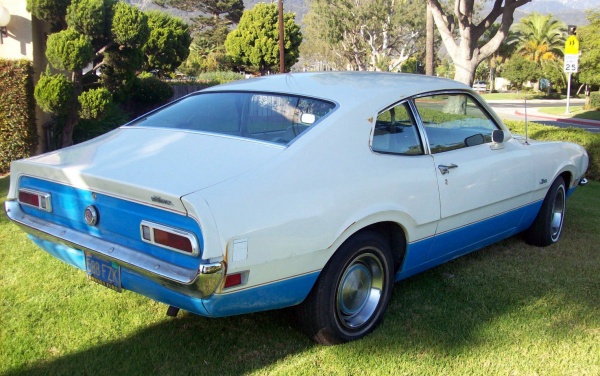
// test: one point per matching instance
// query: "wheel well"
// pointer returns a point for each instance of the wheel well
(394, 234)
(567, 178)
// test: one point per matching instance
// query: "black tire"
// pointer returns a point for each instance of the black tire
(352, 292)
(547, 227)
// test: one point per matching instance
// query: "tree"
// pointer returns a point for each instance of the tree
(366, 34)
(51, 11)
(506, 49)
(465, 52)
(542, 39)
(97, 33)
(168, 44)
(255, 42)
(209, 29)
(519, 70)
(589, 62)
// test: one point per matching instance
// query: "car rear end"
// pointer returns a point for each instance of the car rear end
(125, 224)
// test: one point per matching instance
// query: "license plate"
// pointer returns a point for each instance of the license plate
(102, 271)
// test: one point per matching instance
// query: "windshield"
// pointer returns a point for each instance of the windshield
(262, 116)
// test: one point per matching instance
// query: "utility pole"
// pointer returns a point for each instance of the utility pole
(281, 35)
(429, 43)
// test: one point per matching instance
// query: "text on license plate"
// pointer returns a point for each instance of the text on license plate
(102, 271)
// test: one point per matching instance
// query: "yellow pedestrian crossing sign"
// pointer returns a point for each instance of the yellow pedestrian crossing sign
(572, 45)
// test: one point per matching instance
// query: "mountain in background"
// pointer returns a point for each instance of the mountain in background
(571, 12)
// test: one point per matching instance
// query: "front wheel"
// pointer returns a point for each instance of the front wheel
(548, 224)
(352, 292)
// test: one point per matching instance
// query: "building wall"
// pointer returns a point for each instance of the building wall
(19, 43)
(27, 40)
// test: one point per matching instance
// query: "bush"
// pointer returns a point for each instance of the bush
(87, 129)
(18, 133)
(217, 78)
(94, 103)
(590, 141)
(54, 93)
(150, 91)
(595, 100)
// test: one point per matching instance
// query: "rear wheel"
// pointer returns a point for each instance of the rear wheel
(352, 292)
(547, 227)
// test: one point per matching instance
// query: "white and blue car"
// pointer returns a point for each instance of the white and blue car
(316, 190)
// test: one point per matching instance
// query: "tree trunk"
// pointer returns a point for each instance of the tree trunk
(73, 115)
(492, 60)
(464, 68)
(429, 55)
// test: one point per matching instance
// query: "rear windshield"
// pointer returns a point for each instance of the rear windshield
(262, 116)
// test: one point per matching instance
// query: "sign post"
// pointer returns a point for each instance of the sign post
(571, 64)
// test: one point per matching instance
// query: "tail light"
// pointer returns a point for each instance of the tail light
(36, 199)
(169, 237)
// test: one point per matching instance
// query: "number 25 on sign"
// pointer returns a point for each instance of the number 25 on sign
(571, 63)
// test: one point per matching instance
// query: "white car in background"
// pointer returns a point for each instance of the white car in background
(318, 190)
(480, 86)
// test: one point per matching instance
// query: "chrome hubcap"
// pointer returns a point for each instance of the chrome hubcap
(558, 211)
(359, 290)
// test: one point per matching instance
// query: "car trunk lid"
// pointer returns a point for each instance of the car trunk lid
(149, 165)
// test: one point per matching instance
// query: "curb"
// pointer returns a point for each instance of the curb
(593, 123)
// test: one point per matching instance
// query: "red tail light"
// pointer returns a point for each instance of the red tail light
(170, 238)
(36, 199)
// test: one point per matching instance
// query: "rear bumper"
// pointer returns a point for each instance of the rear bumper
(199, 282)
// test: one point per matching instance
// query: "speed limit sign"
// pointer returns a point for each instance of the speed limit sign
(571, 63)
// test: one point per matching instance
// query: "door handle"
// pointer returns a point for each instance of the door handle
(444, 169)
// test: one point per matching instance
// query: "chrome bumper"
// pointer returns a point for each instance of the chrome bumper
(197, 282)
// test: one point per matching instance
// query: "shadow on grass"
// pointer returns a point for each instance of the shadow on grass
(187, 345)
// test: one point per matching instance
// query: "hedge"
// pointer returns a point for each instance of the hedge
(18, 132)
(590, 141)
(595, 100)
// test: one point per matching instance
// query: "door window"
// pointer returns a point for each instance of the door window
(454, 121)
(396, 132)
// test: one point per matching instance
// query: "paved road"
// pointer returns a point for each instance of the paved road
(515, 110)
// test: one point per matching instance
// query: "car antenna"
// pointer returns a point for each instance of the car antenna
(526, 125)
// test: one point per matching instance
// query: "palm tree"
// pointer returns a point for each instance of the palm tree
(542, 39)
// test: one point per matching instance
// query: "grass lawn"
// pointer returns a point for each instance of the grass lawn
(509, 309)
(575, 112)
(513, 96)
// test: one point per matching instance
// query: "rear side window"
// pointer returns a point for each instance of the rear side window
(262, 116)
(454, 121)
(396, 132)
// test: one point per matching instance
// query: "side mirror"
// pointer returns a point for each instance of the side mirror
(497, 139)
(498, 136)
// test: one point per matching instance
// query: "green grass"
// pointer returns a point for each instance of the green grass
(509, 309)
(576, 112)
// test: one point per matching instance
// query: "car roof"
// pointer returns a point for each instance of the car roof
(346, 88)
